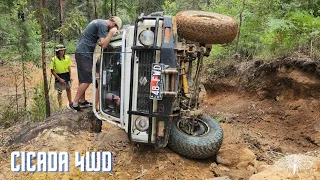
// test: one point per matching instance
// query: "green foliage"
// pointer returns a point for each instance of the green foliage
(170, 8)
(127, 11)
(148, 7)
(5, 6)
(38, 108)
(74, 24)
(230, 8)
(19, 37)
(10, 114)
(282, 36)
(219, 52)
(71, 46)
(270, 28)
(173, 7)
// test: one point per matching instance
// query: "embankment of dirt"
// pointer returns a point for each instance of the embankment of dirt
(286, 78)
(272, 107)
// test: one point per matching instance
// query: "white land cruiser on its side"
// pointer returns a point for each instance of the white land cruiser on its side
(149, 81)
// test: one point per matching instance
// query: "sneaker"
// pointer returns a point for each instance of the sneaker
(85, 104)
(72, 108)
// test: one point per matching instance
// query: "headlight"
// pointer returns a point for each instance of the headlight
(142, 123)
(146, 37)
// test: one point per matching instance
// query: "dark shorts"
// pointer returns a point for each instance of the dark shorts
(84, 66)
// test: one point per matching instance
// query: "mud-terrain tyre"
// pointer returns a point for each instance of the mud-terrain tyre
(206, 27)
(196, 147)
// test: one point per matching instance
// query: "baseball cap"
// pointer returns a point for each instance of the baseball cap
(60, 47)
(117, 20)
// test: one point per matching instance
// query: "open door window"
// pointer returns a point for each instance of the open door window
(111, 81)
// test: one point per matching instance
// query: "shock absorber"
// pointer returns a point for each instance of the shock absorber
(184, 77)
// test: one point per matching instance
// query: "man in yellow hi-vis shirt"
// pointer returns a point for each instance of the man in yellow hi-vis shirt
(60, 66)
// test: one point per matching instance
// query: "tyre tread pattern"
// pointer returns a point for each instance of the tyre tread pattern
(200, 26)
(197, 147)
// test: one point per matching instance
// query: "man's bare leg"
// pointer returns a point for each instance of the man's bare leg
(69, 95)
(81, 90)
(59, 98)
(83, 97)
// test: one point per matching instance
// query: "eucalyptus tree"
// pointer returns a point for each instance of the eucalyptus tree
(43, 47)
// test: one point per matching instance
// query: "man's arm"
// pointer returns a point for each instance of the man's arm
(104, 42)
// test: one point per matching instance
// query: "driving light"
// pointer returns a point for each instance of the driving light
(146, 37)
(142, 123)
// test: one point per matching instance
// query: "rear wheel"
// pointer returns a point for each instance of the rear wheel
(206, 27)
(199, 143)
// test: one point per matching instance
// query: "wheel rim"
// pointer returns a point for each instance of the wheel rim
(201, 128)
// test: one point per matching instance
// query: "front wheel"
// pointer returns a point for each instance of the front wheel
(203, 142)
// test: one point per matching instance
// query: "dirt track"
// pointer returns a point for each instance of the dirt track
(270, 115)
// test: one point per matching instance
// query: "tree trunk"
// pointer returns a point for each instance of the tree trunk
(24, 83)
(240, 24)
(115, 7)
(105, 9)
(111, 7)
(43, 47)
(16, 89)
(95, 9)
(311, 44)
(61, 20)
(88, 11)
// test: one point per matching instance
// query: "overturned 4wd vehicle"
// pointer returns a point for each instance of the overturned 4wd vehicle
(148, 81)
